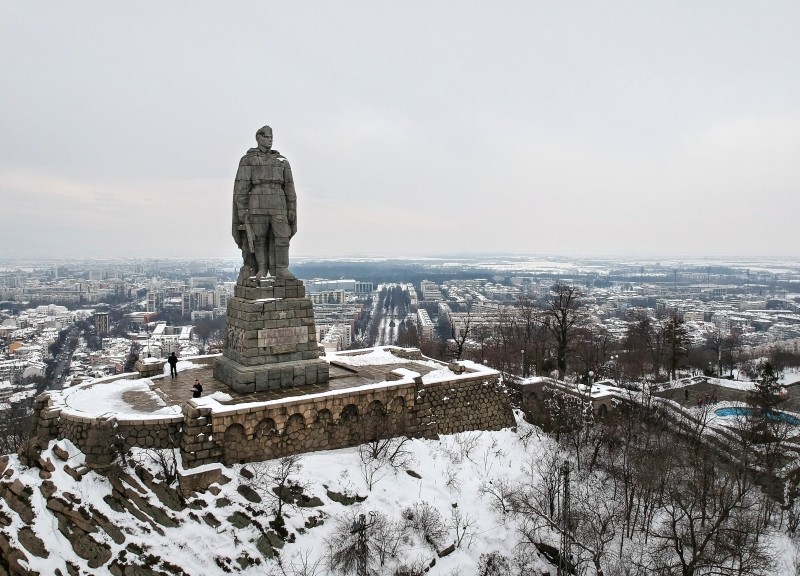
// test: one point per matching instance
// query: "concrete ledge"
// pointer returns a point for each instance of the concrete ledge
(149, 369)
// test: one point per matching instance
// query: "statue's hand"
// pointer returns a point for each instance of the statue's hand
(291, 216)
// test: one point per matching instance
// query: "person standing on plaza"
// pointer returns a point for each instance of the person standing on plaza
(173, 365)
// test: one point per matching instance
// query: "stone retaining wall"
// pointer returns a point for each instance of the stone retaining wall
(102, 438)
(344, 418)
(534, 404)
(336, 419)
(468, 404)
(299, 424)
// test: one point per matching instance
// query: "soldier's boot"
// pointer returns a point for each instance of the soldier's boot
(282, 261)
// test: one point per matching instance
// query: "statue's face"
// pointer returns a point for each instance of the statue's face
(264, 139)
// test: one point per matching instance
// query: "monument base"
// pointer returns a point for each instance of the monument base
(247, 379)
(270, 339)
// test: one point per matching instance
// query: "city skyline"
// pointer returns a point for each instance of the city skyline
(569, 129)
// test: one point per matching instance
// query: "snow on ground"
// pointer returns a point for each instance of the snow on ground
(121, 396)
(220, 396)
(21, 395)
(183, 365)
(786, 377)
(377, 356)
(602, 389)
(789, 376)
(744, 385)
(451, 472)
(438, 374)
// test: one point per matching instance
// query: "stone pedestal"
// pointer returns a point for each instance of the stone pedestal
(271, 339)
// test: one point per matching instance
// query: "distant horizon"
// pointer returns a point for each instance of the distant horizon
(465, 256)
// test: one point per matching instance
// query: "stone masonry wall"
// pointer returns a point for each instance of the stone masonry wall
(470, 404)
(334, 420)
(101, 438)
(197, 442)
(534, 403)
(342, 419)
(299, 424)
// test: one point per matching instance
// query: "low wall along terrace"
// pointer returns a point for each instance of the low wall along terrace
(212, 433)
(102, 438)
(343, 418)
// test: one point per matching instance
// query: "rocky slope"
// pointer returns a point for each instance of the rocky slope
(134, 519)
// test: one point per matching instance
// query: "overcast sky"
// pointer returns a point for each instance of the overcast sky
(430, 128)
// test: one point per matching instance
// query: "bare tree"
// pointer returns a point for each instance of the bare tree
(427, 521)
(493, 564)
(530, 333)
(344, 549)
(696, 421)
(594, 514)
(462, 445)
(387, 536)
(592, 349)
(407, 335)
(15, 427)
(710, 521)
(676, 342)
(544, 471)
(597, 514)
(274, 478)
(394, 451)
(644, 335)
(379, 457)
(202, 329)
(460, 336)
(463, 525)
(300, 563)
(565, 410)
(499, 491)
(791, 504)
(165, 461)
(563, 313)
(572, 418)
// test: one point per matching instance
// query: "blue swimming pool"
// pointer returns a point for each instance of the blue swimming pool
(744, 411)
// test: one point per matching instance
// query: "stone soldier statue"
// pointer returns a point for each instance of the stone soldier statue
(264, 210)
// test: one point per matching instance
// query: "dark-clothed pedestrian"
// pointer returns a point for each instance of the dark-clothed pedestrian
(197, 389)
(173, 365)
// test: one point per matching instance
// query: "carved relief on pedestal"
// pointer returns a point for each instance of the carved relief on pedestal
(233, 338)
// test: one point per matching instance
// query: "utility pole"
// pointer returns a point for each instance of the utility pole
(360, 527)
(563, 553)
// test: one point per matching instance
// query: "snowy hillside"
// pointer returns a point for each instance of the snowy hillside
(99, 524)
(445, 492)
